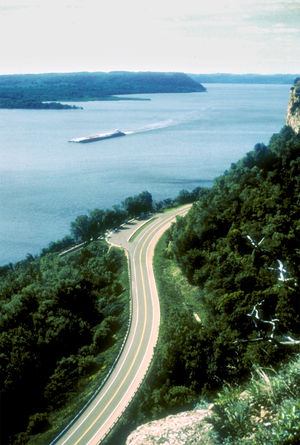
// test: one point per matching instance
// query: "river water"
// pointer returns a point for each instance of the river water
(177, 141)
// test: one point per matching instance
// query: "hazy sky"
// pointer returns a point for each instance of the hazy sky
(259, 36)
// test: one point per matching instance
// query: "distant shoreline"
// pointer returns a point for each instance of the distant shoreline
(110, 98)
(8, 104)
(49, 91)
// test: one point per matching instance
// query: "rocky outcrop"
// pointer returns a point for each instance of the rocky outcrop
(187, 428)
(293, 112)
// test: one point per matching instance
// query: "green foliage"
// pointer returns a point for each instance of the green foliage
(81, 228)
(266, 411)
(179, 369)
(90, 227)
(37, 422)
(57, 246)
(138, 205)
(231, 413)
(287, 429)
(57, 317)
(86, 228)
(28, 103)
(259, 196)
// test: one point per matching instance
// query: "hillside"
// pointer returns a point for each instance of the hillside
(33, 90)
(63, 318)
(62, 321)
(228, 276)
(264, 411)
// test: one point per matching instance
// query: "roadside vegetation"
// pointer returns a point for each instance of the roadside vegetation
(62, 323)
(236, 252)
(264, 411)
(228, 280)
(167, 386)
(239, 245)
(63, 319)
(140, 229)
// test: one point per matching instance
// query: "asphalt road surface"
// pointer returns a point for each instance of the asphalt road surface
(102, 413)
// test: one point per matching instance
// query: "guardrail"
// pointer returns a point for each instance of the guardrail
(71, 423)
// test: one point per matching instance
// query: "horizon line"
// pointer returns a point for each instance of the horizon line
(154, 71)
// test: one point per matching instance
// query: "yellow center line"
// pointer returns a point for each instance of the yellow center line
(140, 342)
(135, 357)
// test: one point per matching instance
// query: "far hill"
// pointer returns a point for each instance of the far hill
(33, 90)
(244, 78)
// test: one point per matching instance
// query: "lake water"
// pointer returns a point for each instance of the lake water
(178, 141)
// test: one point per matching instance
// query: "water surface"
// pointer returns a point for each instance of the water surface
(178, 141)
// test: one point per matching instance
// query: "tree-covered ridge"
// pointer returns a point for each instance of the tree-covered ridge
(216, 246)
(209, 333)
(33, 90)
(59, 320)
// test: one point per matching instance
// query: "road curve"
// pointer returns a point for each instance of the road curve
(99, 417)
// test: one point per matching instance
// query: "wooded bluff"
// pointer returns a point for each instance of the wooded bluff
(42, 91)
(238, 246)
(228, 247)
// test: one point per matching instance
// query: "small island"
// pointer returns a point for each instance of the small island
(27, 104)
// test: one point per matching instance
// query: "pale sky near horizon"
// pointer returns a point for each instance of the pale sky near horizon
(193, 36)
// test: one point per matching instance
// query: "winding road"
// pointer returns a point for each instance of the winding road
(99, 417)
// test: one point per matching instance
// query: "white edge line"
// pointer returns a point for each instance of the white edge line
(106, 390)
(109, 386)
(149, 347)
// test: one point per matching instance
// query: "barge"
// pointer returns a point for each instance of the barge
(99, 137)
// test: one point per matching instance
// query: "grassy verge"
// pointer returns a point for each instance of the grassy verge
(140, 229)
(175, 294)
(87, 386)
(176, 207)
(265, 411)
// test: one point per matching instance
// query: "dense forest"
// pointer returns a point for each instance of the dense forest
(238, 247)
(59, 317)
(229, 246)
(42, 91)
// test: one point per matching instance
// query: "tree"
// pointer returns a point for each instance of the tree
(139, 204)
(96, 223)
(145, 202)
(80, 228)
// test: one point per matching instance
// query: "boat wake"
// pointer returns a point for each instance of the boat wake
(151, 127)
